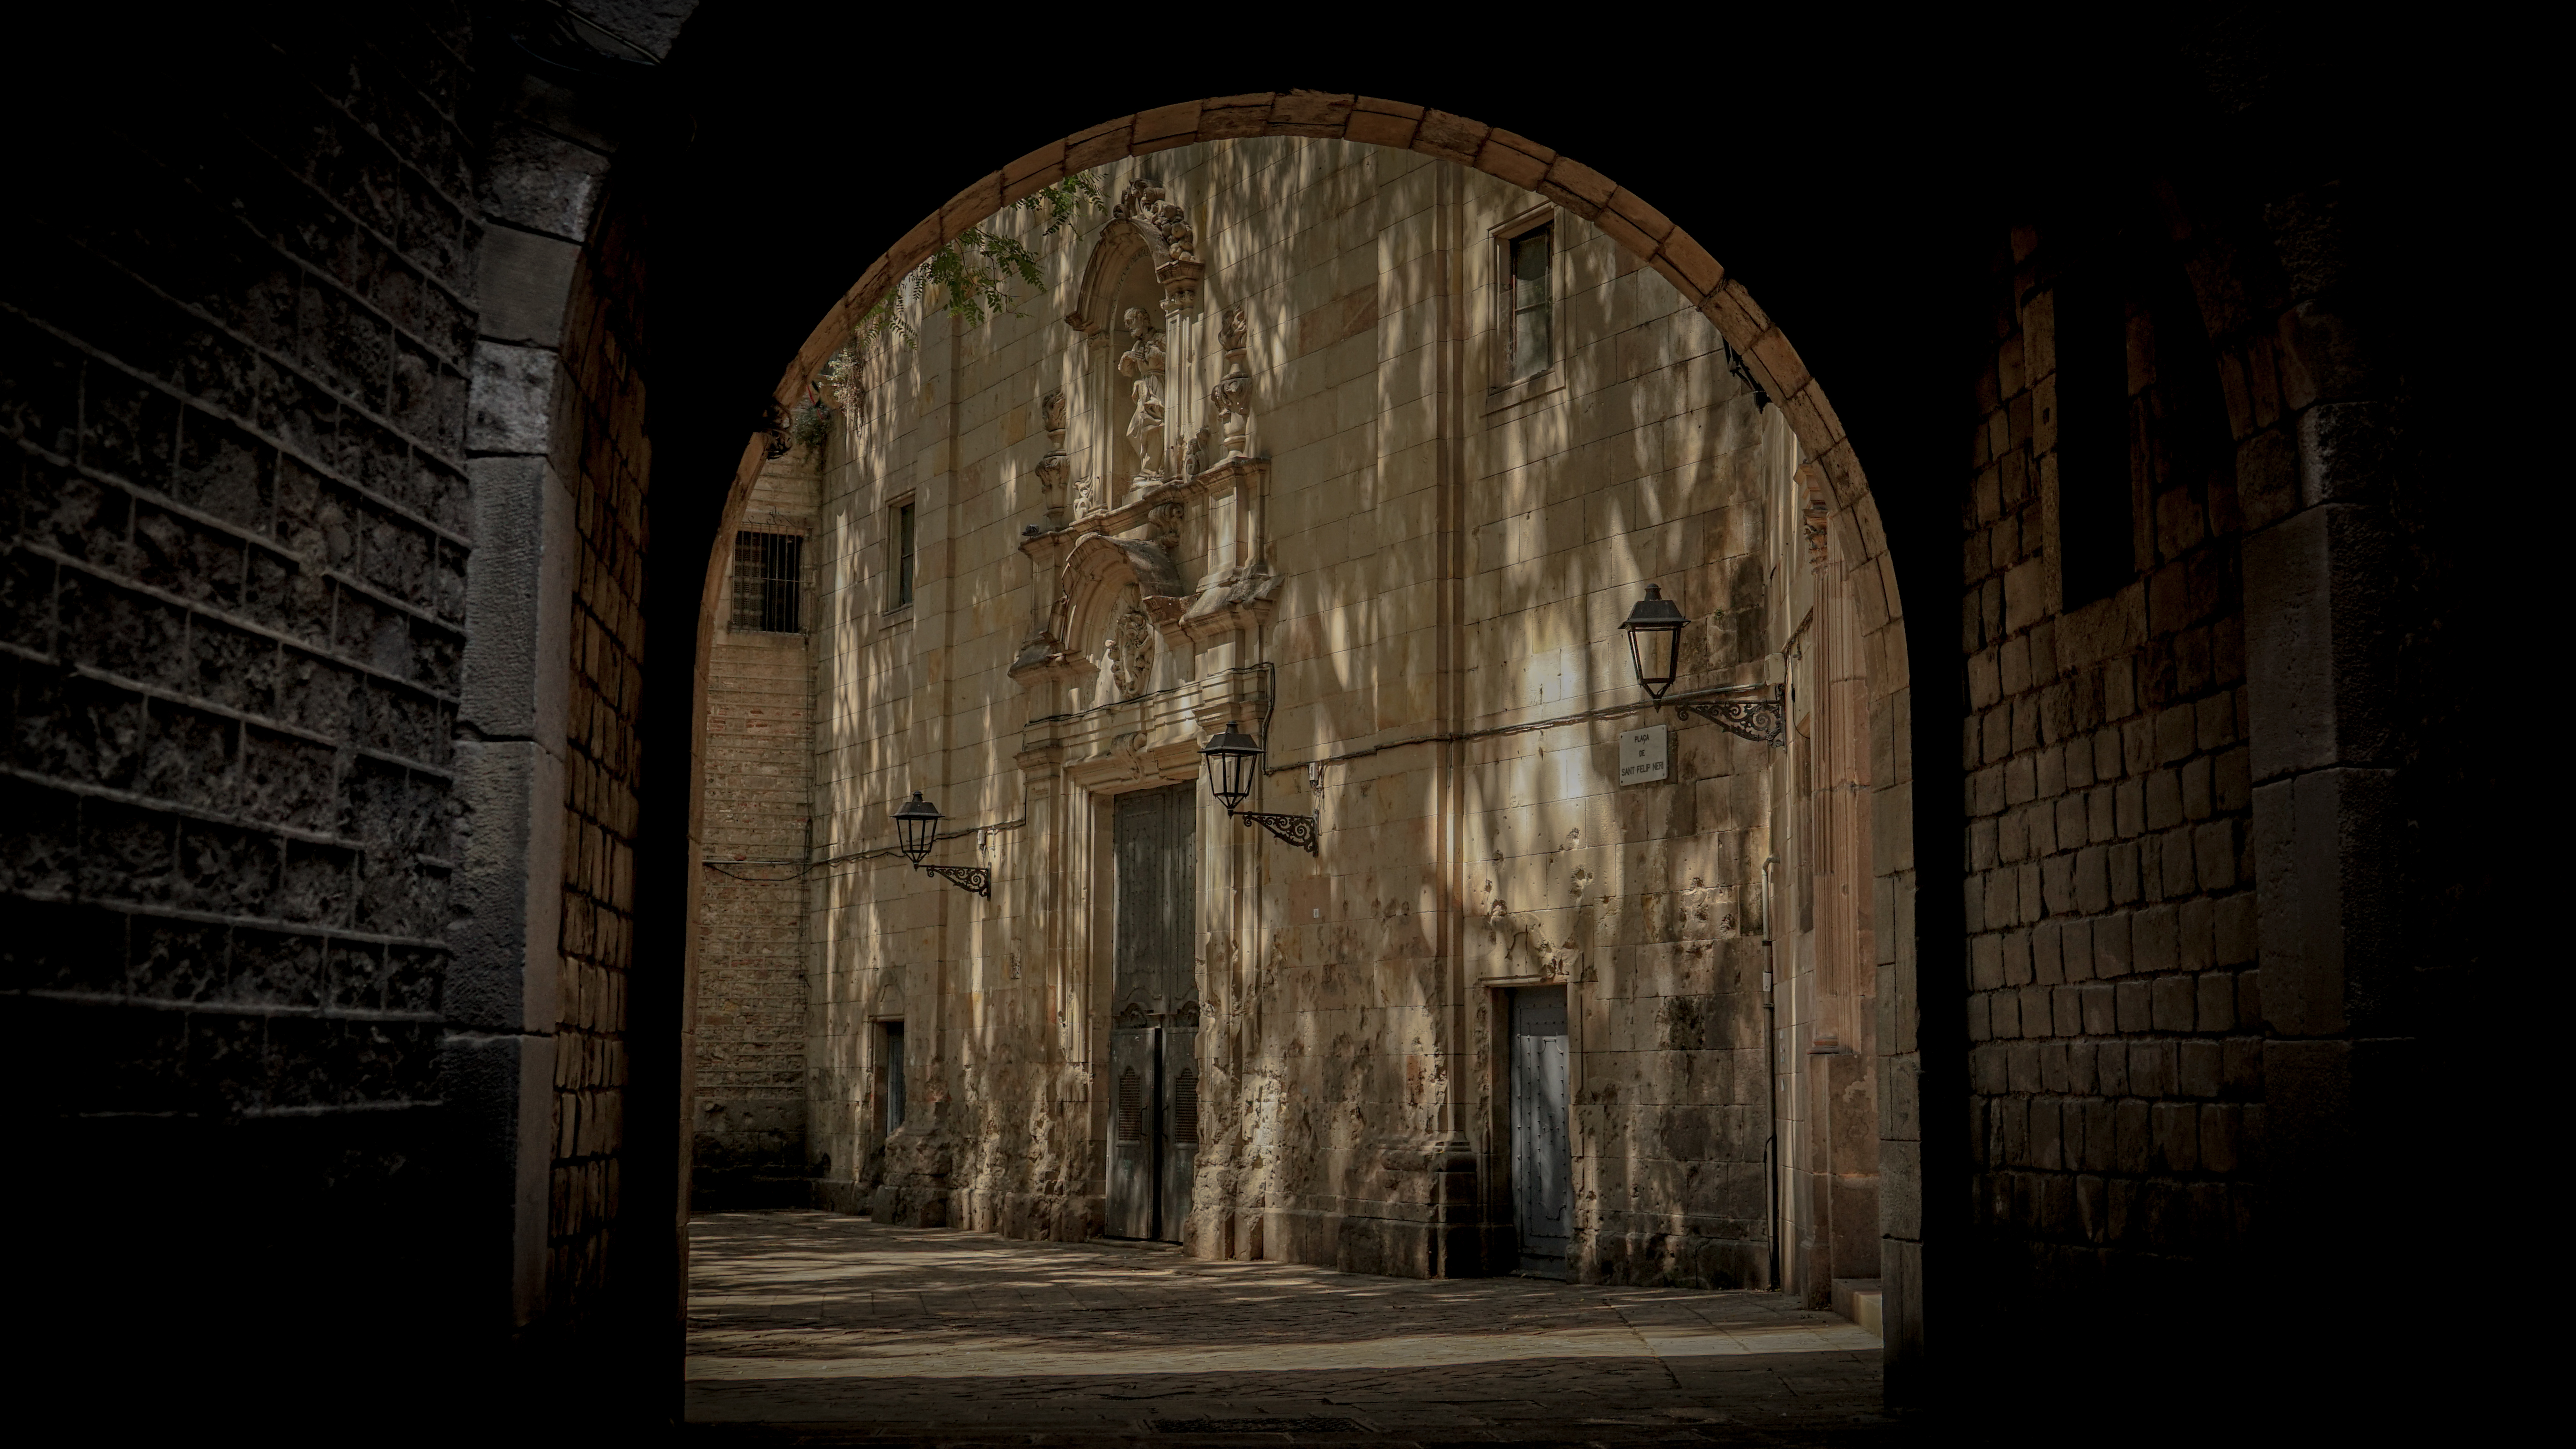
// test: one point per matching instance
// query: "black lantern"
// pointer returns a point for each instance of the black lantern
(1654, 630)
(916, 829)
(1232, 758)
(916, 825)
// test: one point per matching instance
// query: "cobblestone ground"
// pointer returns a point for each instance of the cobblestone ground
(813, 1328)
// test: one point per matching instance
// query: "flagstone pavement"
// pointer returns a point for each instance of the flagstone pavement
(815, 1328)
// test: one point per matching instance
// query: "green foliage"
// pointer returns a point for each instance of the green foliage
(841, 375)
(976, 270)
(812, 427)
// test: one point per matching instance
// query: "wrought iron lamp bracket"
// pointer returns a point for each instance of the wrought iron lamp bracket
(1763, 719)
(1300, 831)
(977, 879)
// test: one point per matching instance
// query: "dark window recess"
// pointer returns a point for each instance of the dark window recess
(1185, 1107)
(769, 582)
(1533, 303)
(2096, 514)
(1131, 1106)
(890, 1049)
(903, 528)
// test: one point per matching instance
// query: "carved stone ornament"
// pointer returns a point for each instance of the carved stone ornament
(1138, 200)
(1129, 649)
(1232, 397)
(1181, 269)
(1174, 224)
(1818, 521)
(1037, 649)
(1053, 468)
(1165, 520)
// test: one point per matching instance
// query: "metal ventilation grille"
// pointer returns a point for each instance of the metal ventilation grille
(1185, 1107)
(769, 582)
(1131, 1107)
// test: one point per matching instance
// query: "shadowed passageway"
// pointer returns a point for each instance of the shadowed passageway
(840, 1327)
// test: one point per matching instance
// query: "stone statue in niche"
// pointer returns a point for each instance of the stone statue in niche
(1082, 497)
(1232, 397)
(1130, 648)
(1143, 361)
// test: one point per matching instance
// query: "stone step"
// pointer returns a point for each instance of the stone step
(1858, 1299)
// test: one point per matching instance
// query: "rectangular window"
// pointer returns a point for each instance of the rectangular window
(899, 545)
(1533, 302)
(889, 1077)
(769, 582)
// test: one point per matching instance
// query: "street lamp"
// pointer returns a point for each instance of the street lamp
(1654, 630)
(1233, 759)
(916, 829)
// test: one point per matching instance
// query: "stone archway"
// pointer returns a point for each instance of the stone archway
(1843, 507)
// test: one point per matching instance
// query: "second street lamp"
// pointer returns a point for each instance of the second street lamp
(1654, 628)
(1233, 761)
(916, 830)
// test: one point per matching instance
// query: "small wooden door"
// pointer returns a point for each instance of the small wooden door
(1542, 1159)
(1154, 1014)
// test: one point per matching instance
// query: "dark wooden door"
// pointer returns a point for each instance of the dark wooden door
(1154, 1014)
(1542, 1156)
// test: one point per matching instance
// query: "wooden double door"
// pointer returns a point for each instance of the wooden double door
(1154, 1014)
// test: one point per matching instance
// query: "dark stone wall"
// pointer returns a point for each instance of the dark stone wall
(234, 530)
(2218, 878)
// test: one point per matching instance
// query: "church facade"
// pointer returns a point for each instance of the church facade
(1499, 964)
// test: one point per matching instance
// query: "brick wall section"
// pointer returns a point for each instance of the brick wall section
(599, 430)
(232, 585)
(749, 1113)
(2114, 1005)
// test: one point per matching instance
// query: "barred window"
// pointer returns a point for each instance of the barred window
(769, 582)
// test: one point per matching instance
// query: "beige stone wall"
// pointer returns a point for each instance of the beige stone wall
(1412, 589)
(749, 1114)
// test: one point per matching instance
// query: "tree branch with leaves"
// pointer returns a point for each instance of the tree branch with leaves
(977, 269)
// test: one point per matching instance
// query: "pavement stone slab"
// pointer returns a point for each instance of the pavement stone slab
(810, 1327)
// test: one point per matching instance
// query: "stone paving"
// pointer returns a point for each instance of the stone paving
(810, 1327)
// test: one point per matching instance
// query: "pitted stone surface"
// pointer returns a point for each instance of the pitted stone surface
(847, 1329)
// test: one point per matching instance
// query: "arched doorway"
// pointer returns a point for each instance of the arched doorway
(1845, 584)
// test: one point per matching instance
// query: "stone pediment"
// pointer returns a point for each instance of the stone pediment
(1098, 573)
